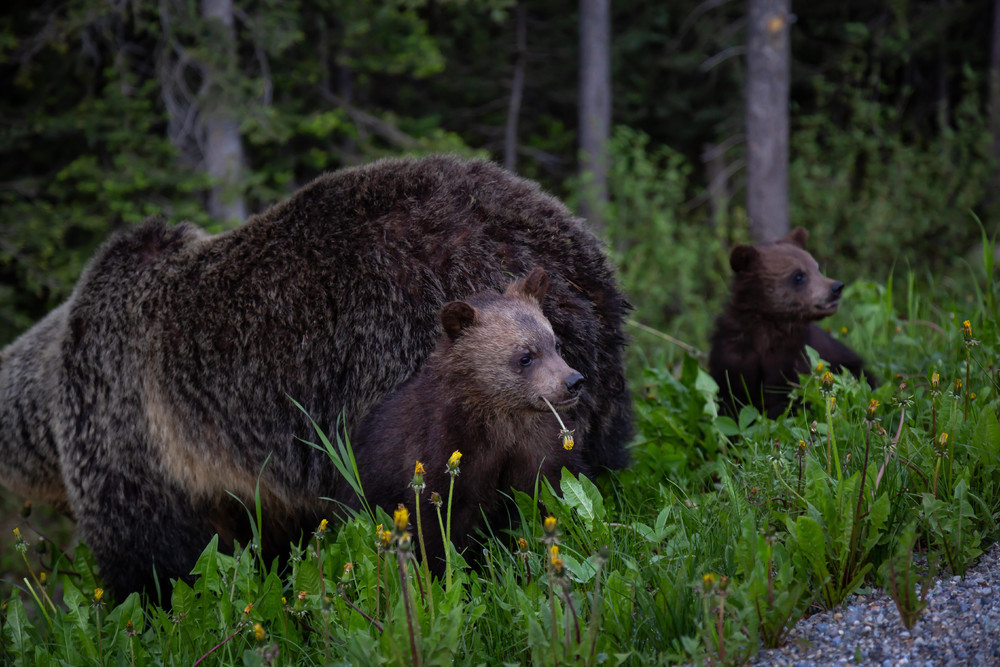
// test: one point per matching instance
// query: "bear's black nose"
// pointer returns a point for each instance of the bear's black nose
(836, 289)
(574, 383)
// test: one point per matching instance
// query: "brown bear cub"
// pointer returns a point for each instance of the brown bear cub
(758, 348)
(483, 392)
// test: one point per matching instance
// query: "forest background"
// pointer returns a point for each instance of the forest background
(114, 111)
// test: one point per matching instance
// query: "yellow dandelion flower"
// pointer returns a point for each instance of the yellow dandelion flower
(819, 368)
(935, 380)
(247, 609)
(522, 544)
(98, 594)
(348, 567)
(554, 553)
(454, 459)
(943, 439)
(302, 596)
(550, 524)
(258, 632)
(401, 518)
(17, 534)
(843, 331)
(283, 600)
(872, 407)
(42, 577)
(567, 440)
(322, 525)
(827, 380)
(958, 385)
(557, 565)
(708, 581)
(418, 469)
(967, 329)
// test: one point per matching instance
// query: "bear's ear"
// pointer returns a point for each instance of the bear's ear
(455, 317)
(741, 257)
(535, 284)
(797, 236)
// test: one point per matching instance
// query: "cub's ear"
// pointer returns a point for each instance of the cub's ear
(741, 257)
(797, 236)
(535, 284)
(455, 317)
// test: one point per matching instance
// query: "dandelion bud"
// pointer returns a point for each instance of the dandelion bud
(401, 518)
(348, 567)
(843, 331)
(98, 594)
(17, 534)
(129, 628)
(258, 632)
(814, 427)
(454, 460)
(872, 408)
(723, 583)
(42, 577)
(322, 526)
(554, 553)
(802, 445)
(549, 525)
(967, 329)
(522, 544)
(436, 499)
(302, 596)
(958, 385)
(567, 439)
(819, 368)
(708, 581)
(418, 477)
(935, 380)
(943, 439)
(405, 543)
(827, 382)
(247, 609)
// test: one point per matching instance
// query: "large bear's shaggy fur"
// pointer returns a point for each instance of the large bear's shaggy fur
(165, 380)
(758, 348)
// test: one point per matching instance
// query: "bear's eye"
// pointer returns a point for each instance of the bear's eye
(559, 348)
(799, 277)
(525, 359)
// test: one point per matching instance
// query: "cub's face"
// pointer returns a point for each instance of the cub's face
(514, 359)
(502, 353)
(782, 280)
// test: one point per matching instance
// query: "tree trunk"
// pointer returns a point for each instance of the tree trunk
(516, 89)
(768, 73)
(994, 91)
(221, 140)
(595, 106)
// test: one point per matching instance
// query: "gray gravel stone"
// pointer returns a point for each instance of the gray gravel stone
(959, 626)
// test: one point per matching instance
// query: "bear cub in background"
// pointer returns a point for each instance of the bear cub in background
(758, 348)
(482, 392)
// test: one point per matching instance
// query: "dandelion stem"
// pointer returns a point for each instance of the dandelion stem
(447, 538)
(400, 560)
(423, 554)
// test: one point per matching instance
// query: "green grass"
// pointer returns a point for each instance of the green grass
(719, 537)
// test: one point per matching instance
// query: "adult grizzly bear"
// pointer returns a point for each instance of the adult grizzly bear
(164, 381)
(758, 348)
(483, 392)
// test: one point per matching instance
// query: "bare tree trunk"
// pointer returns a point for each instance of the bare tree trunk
(595, 106)
(768, 73)
(221, 140)
(516, 89)
(994, 91)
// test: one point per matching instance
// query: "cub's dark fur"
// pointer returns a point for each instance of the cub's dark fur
(758, 348)
(481, 392)
(164, 381)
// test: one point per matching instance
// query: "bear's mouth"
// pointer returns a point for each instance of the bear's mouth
(561, 405)
(830, 306)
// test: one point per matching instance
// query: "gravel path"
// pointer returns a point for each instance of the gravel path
(959, 626)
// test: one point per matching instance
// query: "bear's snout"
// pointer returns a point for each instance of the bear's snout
(574, 383)
(836, 289)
